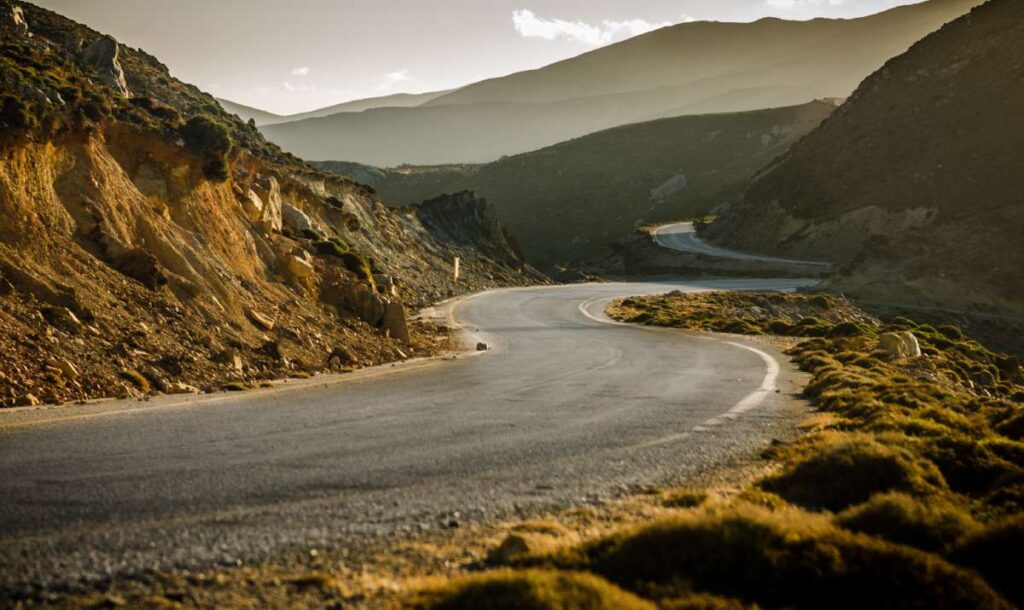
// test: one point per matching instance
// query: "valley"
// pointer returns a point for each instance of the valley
(701, 315)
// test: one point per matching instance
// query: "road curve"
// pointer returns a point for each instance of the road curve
(682, 236)
(566, 407)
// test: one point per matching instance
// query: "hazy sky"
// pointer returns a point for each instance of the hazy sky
(288, 56)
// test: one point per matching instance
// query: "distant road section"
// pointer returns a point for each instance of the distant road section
(683, 237)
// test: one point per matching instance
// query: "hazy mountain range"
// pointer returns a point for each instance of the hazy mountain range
(691, 68)
(568, 201)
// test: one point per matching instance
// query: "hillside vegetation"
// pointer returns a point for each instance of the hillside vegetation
(569, 201)
(691, 68)
(915, 181)
(152, 242)
(904, 491)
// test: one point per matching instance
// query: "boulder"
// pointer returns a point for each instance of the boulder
(395, 323)
(365, 303)
(102, 56)
(298, 267)
(67, 369)
(176, 387)
(899, 345)
(252, 205)
(259, 320)
(270, 218)
(27, 400)
(296, 220)
(12, 18)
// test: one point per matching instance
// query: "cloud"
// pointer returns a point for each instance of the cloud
(301, 71)
(529, 25)
(391, 79)
(290, 88)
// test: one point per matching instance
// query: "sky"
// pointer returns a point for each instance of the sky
(289, 56)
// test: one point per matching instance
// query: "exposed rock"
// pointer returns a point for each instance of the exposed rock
(12, 18)
(899, 345)
(386, 284)
(176, 387)
(365, 303)
(63, 318)
(270, 219)
(252, 205)
(102, 56)
(340, 357)
(260, 320)
(142, 267)
(66, 368)
(296, 220)
(482, 347)
(300, 268)
(27, 400)
(395, 323)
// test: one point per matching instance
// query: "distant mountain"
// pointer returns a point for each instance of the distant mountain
(569, 201)
(691, 68)
(916, 181)
(262, 117)
(397, 100)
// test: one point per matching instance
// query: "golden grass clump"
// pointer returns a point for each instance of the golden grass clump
(933, 523)
(527, 590)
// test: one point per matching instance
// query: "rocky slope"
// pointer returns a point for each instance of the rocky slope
(687, 69)
(915, 182)
(569, 201)
(150, 241)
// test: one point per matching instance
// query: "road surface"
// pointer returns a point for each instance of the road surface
(682, 237)
(567, 407)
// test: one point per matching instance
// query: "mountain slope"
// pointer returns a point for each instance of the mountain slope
(150, 241)
(261, 117)
(569, 201)
(685, 69)
(915, 180)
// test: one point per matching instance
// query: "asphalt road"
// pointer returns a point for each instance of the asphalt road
(682, 236)
(567, 407)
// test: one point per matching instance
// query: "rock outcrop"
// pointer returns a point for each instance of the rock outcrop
(102, 56)
(143, 245)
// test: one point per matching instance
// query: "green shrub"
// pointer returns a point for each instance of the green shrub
(969, 464)
(527, 590)
(783, 559)
(358, 263)
(15, 114)
(835, 473)
(312, 234)
(996, 554)
(210, 140)
(930, 524)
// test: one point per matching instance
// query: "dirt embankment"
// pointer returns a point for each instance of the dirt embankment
(151, 242)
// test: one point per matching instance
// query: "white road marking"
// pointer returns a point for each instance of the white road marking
(746, 404)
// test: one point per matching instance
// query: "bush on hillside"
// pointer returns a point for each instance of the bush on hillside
(834, 472)
(931, 524)
(996, 554)
(210, 140)
(781, 559)
(528, 590)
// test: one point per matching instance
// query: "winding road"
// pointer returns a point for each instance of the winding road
(682, 236)
(567, 407)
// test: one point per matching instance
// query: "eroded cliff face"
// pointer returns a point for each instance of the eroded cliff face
(914, 184)
(142, 249)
